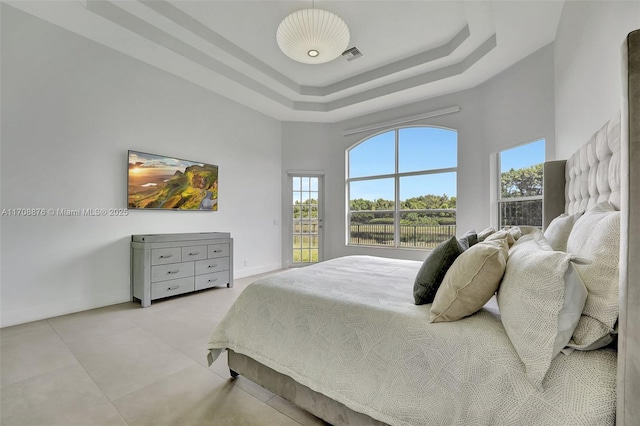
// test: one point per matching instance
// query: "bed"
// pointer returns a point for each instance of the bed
(344, 339)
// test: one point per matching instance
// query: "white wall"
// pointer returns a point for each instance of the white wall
(70, 111)
(587, 67)
(512, 108)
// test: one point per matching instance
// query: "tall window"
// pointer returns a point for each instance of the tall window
(401, 188)
(520, 199)
(307, 219)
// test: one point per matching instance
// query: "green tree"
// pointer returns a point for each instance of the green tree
(307, 208)
(382, 204)
(524, 182)
(516, 183)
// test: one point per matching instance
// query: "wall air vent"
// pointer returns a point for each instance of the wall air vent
(352, 53)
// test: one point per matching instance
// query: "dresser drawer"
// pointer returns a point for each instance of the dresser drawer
(212, 265)
(218, 250)
(171, 287)
(172, 271)
(212, 280)
(161, 256)
(194, 253)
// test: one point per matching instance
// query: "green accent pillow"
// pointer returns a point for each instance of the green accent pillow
(433, 270)
(470, 238)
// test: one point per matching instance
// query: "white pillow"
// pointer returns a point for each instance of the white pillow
(557, 233)
(596, 237)
(540, 300)
(537, 235)
(575, 296)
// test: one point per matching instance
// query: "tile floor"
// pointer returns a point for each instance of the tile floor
(125, 365)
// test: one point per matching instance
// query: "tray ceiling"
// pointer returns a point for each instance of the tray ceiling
(413, 50)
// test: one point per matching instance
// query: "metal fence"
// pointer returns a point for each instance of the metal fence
(423, 236)
(514, 212)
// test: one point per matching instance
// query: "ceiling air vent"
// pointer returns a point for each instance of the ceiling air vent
(352, 53)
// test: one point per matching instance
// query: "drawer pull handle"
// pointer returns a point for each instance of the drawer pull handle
(173, 287)
(173, 272)
(215, 279)
(194, 254)
(213, 266)
(218, 251)
(165, 256)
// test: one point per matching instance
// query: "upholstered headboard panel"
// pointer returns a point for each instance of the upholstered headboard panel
(592, 174)
(628, 409)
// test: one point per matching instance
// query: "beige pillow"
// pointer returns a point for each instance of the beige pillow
(501, 235)
(526, 229)
(515, 232)
(482, 235)
(471, 281)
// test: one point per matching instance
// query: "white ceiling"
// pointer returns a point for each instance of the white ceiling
(413, 50)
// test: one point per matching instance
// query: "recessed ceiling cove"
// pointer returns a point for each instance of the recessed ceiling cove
(414, 50)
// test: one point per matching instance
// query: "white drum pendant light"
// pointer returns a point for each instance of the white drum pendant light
(313, 36)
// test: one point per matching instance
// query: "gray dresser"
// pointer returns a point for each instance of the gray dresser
(164, 265)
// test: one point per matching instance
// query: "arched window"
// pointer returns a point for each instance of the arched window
(401, 188)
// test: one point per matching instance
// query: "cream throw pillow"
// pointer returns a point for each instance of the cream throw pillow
(540, 300)
(501, 235)
(515, 232)
(482, 235)
(596, 236)
(471, 281)
(557, 233)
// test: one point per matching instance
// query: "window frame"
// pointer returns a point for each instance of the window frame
(499, 199)
(396, 176)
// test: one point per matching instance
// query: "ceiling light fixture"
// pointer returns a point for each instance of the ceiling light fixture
(313, 36)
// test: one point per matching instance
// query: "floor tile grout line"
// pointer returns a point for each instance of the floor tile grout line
(173, 345)
(215, 374)
(69, 343)
(162, 378)
(88, 374)
(150, 384)
(105, 335)
(52, 370)
(282, 412)
(91, 377)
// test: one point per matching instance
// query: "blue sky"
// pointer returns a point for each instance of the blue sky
(522, 156)
(419, 148)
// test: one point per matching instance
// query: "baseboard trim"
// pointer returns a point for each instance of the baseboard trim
(51, 310)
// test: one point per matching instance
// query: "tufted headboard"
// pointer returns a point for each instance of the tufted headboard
(592, 174)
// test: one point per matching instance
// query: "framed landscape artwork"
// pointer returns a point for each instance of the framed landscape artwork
(167, 183)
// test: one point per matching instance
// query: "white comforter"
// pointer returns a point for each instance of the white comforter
(348, 328)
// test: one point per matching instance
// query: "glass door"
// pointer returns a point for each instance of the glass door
(306, 220)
